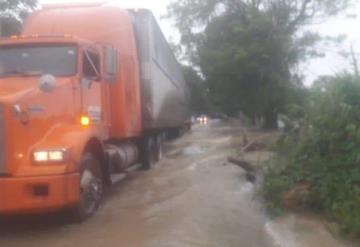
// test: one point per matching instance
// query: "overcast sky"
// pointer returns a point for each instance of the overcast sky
(158, 7)
(330, 64)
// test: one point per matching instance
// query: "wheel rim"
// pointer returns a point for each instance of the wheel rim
(152, 150)
(160, 152)
(159, 149)
(90, 191)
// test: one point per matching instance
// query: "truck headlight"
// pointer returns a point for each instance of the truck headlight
(53, 155)
(41, 156)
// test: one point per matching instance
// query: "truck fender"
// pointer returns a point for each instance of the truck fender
(95, 146)
(91, 144)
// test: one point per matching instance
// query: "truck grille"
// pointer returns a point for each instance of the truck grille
(2, 140)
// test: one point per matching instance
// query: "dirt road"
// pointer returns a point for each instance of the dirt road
(189, 199)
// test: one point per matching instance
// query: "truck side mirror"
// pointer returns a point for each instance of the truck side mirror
(111, 64)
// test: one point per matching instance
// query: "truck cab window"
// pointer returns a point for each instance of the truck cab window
(91, 65)
(38, 59)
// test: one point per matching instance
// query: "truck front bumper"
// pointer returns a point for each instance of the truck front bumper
(38, 194)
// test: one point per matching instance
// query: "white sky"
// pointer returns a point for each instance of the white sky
(328, 65)
(158, 7)
(333, 62)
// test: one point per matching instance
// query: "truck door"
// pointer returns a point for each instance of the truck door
(91, 86)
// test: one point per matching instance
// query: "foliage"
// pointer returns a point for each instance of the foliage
(325, 152)
(198, 91)
(12, 13)
(248, 51)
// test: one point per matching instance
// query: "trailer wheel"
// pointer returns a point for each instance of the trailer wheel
(159, 150)
(91, 188)
(149, 150)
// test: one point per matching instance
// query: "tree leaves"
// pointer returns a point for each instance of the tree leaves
(12, 13)
(249, 50)
(198, 91)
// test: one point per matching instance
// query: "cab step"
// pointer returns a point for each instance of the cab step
(133, 168)
(118, 177)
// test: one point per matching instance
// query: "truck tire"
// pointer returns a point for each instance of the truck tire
(159, 150)
(91, 188)
(148, 153)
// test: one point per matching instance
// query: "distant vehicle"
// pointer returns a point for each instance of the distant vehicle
(202, 119)
(86, 94)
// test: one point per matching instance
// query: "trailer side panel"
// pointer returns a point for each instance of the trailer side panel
(165, 96)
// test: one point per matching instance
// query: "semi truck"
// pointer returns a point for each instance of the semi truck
(87, 94)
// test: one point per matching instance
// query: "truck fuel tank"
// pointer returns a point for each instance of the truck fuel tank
(121, 156)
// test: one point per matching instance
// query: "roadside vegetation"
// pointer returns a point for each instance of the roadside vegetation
(316, 166)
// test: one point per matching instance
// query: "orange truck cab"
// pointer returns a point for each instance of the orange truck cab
(86, 94)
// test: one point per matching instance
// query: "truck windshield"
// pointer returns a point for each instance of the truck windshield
(58, 60)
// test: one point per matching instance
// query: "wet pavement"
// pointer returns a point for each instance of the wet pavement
(191, 198)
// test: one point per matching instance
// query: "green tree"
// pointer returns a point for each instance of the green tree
(249, 50)
(198, 91)
(12, 13)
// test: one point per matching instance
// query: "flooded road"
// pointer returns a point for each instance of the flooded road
(192, 198)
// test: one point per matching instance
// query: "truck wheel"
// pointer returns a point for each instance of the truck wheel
(176, 133)
(159, 150)
(149, 157)
(91, 188)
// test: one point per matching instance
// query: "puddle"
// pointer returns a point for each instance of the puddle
(301, 231)
(192, 167)
(193, 150)
(188, 151)
(280, 239)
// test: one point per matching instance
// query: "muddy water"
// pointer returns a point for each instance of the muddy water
(192, 198)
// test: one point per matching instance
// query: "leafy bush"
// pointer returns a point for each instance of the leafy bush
(324, 151)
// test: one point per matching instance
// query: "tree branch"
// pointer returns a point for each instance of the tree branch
(301, 16)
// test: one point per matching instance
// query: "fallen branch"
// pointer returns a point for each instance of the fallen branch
(243, 164)
(255, 144)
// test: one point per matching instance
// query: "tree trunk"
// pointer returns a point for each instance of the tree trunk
(270, 120)
(253, 120)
